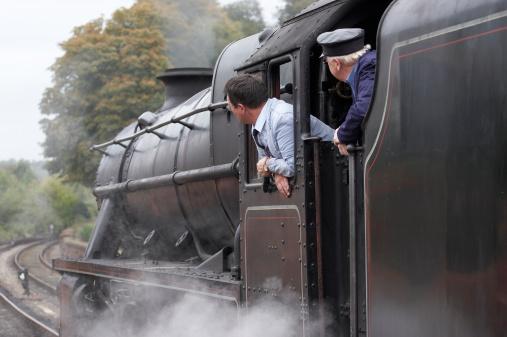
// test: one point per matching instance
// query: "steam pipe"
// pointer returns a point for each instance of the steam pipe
(175, 178)
(198, 247)
(211, 107)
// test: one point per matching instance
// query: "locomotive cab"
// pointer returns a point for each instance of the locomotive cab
(307, 236)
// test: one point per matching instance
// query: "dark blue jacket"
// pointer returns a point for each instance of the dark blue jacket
(364, 77)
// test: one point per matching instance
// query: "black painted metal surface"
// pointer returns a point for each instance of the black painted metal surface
(300, 31)
(176, 178)
(436, 172)
(206, 207)
(180, 277)
(306, 199)
(181, 83)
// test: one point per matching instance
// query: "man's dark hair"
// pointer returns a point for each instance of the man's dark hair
(246, 89)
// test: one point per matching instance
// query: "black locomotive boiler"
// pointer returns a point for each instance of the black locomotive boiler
(405, 237)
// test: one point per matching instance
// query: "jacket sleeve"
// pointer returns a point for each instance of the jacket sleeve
(350, 130)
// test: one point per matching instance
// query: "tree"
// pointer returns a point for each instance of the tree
(29, 202)
(106, 76)
(291, 8)
(11, 196)
(104, 80)
(19, 216)
(64, 199)
(15, 180)
(248, 14)
(189, 30)
(196, 31)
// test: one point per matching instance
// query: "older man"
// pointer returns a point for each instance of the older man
(272, 123)
(350, 61)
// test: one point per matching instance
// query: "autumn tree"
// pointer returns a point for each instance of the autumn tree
(105, 79)
(291, 8)
(106, 76)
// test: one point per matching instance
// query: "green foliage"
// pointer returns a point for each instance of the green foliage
(85, 231)
(11, 197)
(62, 199)
(103, 81)
(107, 75)
(291, 8)
(15, 178)
(29, 204)
(248, 14)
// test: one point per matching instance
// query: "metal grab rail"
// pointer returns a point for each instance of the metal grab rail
(151, 129)
(353, 232)
(175, 178)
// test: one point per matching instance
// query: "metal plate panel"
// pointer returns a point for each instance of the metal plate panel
(272, 251)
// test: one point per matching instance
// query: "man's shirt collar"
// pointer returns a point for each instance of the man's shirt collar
(261, 120)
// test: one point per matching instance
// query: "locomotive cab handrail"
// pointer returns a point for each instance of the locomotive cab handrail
(352, 148)
(212, 107)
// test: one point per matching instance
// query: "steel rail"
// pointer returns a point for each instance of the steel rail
(7, 246)
(36, 279)
(42, 255)
(44, 329)
(151, 129)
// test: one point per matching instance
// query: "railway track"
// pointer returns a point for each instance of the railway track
(45, 255)
(34, 258)
(4, 246)
(36, 314)
(16, 321)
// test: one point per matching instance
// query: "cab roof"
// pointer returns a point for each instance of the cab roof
(300, 30)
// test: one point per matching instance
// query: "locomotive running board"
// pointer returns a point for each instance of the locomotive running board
(165, 275)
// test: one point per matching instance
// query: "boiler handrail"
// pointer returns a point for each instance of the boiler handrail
(150, 129)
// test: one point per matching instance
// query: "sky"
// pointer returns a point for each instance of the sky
(30, 33)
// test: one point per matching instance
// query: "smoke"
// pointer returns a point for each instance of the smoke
(195, 316)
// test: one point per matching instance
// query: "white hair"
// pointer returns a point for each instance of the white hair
(351, 59)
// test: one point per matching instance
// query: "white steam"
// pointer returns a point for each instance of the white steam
(193, 316)
(198, 317)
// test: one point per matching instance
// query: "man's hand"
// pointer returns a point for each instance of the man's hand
(282, 184)
(341, 147)
(336, 141)
(262, 167)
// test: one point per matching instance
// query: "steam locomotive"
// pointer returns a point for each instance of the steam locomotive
(405, 237)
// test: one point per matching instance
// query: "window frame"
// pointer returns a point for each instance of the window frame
(272, 77)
